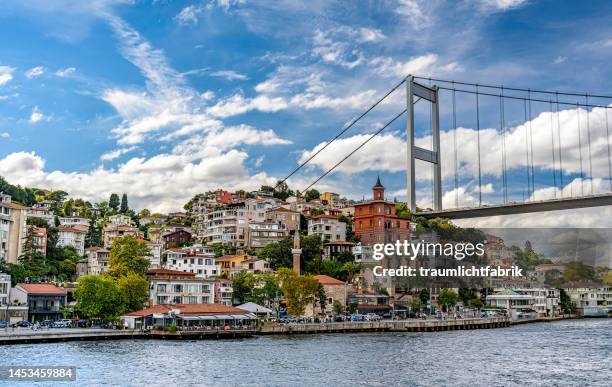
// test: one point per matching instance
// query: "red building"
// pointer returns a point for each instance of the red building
(375, 221)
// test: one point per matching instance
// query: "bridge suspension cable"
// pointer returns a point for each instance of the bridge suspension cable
(580, 150)
(502, 125)
(356, 149)
(589, 142)
(552, 148)
(349, 126)
(455, 150)
(560, 147)
(609, 159)
(478, 135)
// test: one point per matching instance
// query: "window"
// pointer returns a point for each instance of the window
(161, 288)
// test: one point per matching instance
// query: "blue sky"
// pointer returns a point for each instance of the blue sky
(164, 99)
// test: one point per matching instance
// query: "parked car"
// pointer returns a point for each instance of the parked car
(4, 324)
(22, 324)
(373, 317)
(66, 321)
(46, 323)
(60, 324)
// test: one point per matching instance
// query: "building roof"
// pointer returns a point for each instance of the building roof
(82, 229)
(254, 308)
(378, 183)
(327, 280)
(97, 249)
(41, 289)
(162, 272)
(325, 216)
(340, 243)
(14, 206)
(189, 309)
(283, 209)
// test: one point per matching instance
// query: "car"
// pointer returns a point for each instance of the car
(373, 317)
(4, 324)
(22, 324)
(46, 323)
(66, 321)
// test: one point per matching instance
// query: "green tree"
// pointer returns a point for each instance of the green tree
(124, 204)
(278, 254)
(553, 277)
(113, 202)
(415, 304)
(337, 308)
(98, 297)
(447, 298)
(264, 289)
(242, 283)
(424, 296)
(578, 271)
(134, 289)
(316, 212)
(311, 194)
(298, 290)
(128, 255)
(466, 295)
(566, 303)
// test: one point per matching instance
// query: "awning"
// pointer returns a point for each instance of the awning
(207, 317)
(225, 317)
(241, 316)
(189, 318)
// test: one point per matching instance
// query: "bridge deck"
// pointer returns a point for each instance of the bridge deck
(522, 208)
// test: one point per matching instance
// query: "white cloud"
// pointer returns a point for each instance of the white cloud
(560, 59)
(335, 49)
(4, 135)
(161, 183)
(108, 156)
(413, 12)
(189, 15)
(6, 74)
(36, 116)
(35, 72)
(501, 5)
(63, 73)
(229, 75)
(423, 65)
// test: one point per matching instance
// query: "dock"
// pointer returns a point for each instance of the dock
(26, 336)
(427, 325)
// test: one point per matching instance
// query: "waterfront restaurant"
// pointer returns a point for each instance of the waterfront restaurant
(191, 317)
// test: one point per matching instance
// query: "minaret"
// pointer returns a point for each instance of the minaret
(296, 251)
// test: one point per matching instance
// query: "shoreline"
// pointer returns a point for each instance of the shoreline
(29, 337)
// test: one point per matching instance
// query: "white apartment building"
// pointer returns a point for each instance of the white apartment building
(155, 257)
(120, 220)
(12, 229)
(201, 264)
(5, 288)
(178, 287)
(72, 236)
(526, 302)
(44, 213)
(328, 227)
(74, 221)
(224, 292)
(96, 262)
(227, 226)
(591, 298)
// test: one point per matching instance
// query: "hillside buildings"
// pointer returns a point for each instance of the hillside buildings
(327, 227)
(178, 287)
(72, 236)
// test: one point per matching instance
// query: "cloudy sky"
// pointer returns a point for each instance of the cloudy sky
(163, 99)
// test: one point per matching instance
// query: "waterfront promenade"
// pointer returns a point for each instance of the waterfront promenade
(20, 336)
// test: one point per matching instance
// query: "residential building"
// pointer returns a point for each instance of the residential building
(74, 221)
(40, 239)
(177, 287)
(10, 312)
(232, 264)
(175, 238)
(375, 220)
(518, 305)
(112, 231)
(262, 234)
(333, 248)
(224, 292)
(288, 219)
(120, 220)
(72, 236)
(97, 262)
(227, 226)
(256, 266)
(203, 265)
(539, 272)
(335, 290)
(12, 229)
(45, 301)
(43, 213)
(327, 227)
(155, 257)
(591, 298)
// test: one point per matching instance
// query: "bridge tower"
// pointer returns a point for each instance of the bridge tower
(417, 153)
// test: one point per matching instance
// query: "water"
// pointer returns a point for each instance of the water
(576, 352)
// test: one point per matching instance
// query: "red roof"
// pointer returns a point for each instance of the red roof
(14, 206)
(41, 289)
(327, 280)
(162, 272)
(325, 216)
(189, 309)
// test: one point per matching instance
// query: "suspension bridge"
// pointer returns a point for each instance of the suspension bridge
(532, 144)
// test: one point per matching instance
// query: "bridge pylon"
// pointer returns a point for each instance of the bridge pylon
(417, 153)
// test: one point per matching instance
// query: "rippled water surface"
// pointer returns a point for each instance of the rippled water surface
(577, 352)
